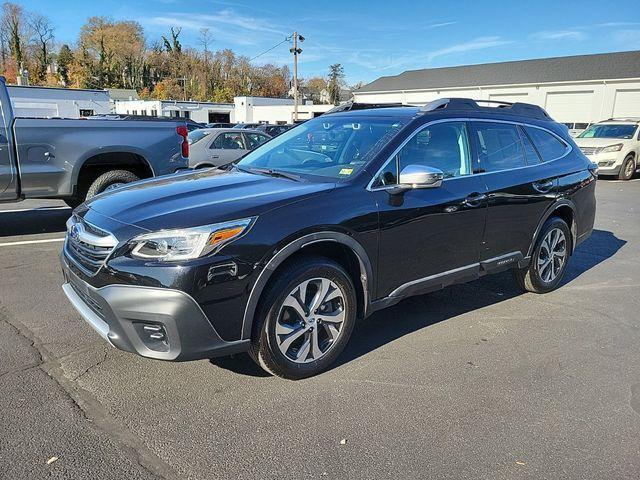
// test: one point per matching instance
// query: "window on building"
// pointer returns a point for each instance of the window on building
(499, 146)
(85, 112)
(549, 146)
(175, 113)
(134, 112)
(187, 114)
(281, 122)
(143, 112)
(154, 113)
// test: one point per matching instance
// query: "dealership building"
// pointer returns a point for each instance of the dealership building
(578, 89)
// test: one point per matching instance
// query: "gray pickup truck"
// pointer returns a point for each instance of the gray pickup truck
(74, 159)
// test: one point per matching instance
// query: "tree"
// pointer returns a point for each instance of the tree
(314, 87)
(43, 39)
(13, 27)
(65, 59)
(335, 83)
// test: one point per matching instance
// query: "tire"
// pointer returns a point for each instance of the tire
(110, 179)
(536, 276)
(283, 337)
(628, 168)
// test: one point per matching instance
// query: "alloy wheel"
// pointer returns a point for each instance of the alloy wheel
(552, 256)
(310, 320)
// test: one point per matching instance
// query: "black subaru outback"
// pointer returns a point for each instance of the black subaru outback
(339, 217)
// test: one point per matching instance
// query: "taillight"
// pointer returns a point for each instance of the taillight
(184, 133)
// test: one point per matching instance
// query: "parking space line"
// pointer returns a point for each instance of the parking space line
(29, 242)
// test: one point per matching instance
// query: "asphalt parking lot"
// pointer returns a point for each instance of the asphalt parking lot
(476, 381)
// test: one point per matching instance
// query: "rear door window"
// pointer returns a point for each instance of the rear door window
(549, 146)
(229, 141)
(499, 146)
(254, 140)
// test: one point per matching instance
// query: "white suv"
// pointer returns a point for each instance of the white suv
(614, 145)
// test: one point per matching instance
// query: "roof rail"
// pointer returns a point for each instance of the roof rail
(351, 105)
(623, 119)
(517, 108)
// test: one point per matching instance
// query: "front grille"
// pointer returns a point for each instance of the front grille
(589, 150)
(95, 306)
(87, 245)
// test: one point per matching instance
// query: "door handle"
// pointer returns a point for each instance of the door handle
(475, 199)
(543, 186)
(215, 156)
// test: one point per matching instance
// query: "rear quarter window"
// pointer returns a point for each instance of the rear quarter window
(549, 146)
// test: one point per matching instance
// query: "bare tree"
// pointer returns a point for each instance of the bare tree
(43, 40)
(13, 27)
(205, 39)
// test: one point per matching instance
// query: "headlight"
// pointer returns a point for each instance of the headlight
(612, 148)
(188, 243)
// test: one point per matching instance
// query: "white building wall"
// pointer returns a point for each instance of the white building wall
(273, 110)
(57, 102)
(198, 111)
(588, 101)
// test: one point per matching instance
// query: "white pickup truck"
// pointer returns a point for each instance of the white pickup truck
(614, 145)
(74, 159)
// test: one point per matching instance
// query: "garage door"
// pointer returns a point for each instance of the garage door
(627, 103)
(35, 109)
(570, 106)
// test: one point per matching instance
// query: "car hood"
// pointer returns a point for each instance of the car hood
(197, 198)
(600, 142)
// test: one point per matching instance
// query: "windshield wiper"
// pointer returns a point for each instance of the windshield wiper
(274, 173)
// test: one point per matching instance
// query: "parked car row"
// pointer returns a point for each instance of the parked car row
(214, 147)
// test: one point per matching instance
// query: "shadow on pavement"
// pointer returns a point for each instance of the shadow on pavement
(422, 311)
(41, 220)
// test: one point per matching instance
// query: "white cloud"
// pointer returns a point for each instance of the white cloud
(441, 24)
(480, 43)
(560, 35)
(227, 24)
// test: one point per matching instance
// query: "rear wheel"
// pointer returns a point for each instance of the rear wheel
(549, 259)
(109, 181)
(305, 319)
(628, 168)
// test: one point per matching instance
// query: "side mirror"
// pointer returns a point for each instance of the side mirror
(420, 176)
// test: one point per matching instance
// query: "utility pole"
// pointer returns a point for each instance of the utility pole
(296, 51)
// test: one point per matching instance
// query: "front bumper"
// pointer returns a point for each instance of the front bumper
(608, 163)
(158, 323)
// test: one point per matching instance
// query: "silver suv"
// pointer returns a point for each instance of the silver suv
(614, 145)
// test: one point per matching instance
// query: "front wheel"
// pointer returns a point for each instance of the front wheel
(549, 259)
(305, 319)
(628, 168)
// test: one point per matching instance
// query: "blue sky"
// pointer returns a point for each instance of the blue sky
(376, 37)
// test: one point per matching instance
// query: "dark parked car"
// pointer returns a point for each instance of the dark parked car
(342, 216)
(219, 125)
(274, 130)
(251, 126)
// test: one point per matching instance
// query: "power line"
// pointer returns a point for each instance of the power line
(268, 50)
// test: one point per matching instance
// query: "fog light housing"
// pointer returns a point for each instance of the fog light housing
(153, 335)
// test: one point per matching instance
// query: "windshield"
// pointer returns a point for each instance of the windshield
(196, 135)
(609, 131)
(333, 147)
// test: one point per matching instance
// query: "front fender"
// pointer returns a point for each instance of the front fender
(366, 270)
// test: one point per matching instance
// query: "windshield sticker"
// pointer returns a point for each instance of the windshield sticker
(346, 171)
